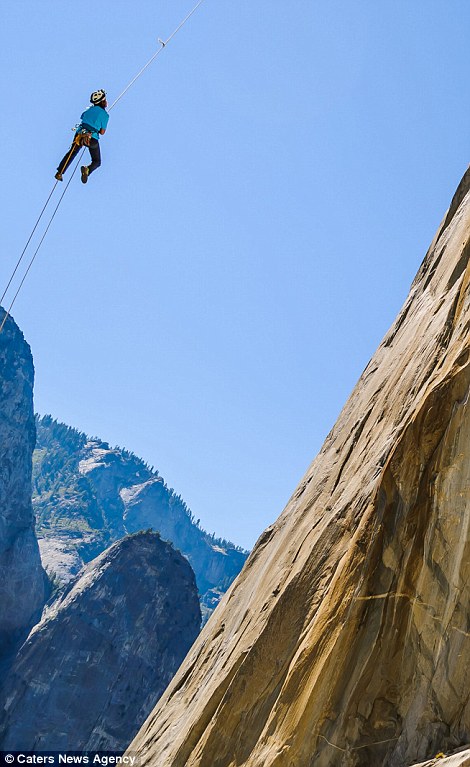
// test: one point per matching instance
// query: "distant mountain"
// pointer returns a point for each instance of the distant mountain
(86, 495)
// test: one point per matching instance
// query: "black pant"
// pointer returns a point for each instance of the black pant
(95, 155)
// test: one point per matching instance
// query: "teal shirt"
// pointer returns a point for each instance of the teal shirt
(95, 118)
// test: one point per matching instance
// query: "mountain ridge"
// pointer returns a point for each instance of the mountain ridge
(86, 495)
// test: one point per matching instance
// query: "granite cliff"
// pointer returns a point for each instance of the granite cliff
(345, 641)
(95, 665)
(87, 495)
(22, 579)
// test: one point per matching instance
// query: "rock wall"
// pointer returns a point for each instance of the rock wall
(22, 580)
(345, 641)
(94, 667)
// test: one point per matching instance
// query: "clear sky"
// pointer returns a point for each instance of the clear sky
(269, 188)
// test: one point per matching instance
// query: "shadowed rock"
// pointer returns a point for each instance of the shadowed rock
(93, 668)
(22, 579)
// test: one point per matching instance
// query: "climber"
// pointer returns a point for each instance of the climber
(94, 121)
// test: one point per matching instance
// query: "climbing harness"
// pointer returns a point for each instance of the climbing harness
(83, 138)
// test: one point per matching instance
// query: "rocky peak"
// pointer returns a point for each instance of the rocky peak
(93, 668)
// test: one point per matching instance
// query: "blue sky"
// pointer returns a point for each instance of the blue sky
(269, 188)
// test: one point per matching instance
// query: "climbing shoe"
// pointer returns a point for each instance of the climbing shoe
(59, 176)
(85, 173)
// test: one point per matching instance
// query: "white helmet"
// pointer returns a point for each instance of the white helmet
(97, 96)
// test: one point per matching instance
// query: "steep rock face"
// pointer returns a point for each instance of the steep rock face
(22, 580)
(93, 668)
(87, 495)
(345, 640)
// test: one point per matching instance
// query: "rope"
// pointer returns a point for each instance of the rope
(31, 235)
(163, 44)
(29, 240)
(40, 242)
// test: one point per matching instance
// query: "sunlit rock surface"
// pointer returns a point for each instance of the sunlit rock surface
(345, 640)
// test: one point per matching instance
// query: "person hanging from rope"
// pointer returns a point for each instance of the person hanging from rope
(94, 121)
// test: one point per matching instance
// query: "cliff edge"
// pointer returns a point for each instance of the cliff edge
(22, 579)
